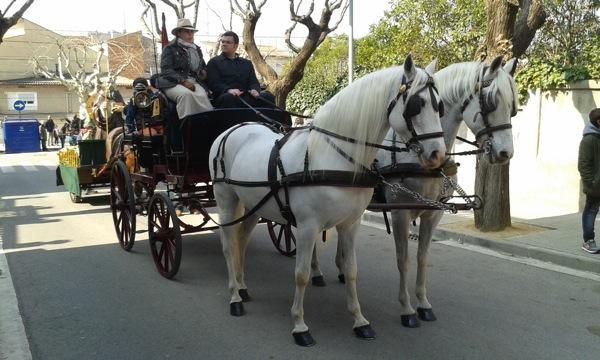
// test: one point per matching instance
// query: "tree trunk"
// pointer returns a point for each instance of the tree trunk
(492, 181)
(510, 38)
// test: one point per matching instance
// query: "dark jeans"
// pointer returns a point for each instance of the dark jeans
(590, 210)
(226, 100)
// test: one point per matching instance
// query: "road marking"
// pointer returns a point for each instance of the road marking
(522, 260)
(7, 169)
(13, 341)
(30, 167)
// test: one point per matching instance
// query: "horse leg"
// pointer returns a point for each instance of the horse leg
(305, 244)
(346, 238)
(428, 222)
(244, 231)
(339, 260)
(230, 208)
(400, 224)
(316, 274)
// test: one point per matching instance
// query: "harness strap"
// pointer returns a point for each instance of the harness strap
(491, 129)
(354, 141)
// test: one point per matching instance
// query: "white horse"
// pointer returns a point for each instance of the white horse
(361, 113)
(485, 98)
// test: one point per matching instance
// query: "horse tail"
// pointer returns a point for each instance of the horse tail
(113, 142)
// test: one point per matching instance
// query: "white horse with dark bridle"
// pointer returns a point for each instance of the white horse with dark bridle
(485, 98)
(318, 177)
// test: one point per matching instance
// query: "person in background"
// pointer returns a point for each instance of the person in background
(182, 72)
(588, 164)
(231, 77)
(62, 132)
(43, 135)
(49, 125)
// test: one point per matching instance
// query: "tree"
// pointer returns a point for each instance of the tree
(178, 7)
(447, 30)
(503, 32)
(250, 14)
(566, 49)
(78, 64)
(325, 74)
(6, 22)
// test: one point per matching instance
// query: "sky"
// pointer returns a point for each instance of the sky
(106, 15)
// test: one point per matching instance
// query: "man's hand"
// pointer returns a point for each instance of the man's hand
(254, 93)
(188, 84)
(235, 92)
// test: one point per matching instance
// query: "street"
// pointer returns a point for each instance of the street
(82, 297)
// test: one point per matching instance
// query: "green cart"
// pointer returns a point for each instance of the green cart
(80, 179)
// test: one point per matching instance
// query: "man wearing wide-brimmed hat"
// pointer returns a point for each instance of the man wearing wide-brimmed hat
(183, 72)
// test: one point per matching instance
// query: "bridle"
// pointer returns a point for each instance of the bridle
(413, 105)
(487, 105)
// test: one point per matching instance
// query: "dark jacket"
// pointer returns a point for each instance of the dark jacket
(175, 66)
(588, 162)
(236, 73)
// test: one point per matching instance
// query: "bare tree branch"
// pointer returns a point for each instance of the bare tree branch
(8, 7)
(225, 28)
(7, 22)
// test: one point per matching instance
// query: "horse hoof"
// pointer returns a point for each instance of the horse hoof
(244, 295)
(365, 332)
(342, 278)
(318, 281)
(426, 314)
(410, 321)
(304, 338)
(236, 309)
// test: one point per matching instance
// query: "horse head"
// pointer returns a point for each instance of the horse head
(489, 115)
(414, 114)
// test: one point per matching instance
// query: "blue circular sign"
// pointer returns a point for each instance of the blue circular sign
(19, 105)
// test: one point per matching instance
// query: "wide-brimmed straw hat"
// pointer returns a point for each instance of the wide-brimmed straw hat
(183, 24)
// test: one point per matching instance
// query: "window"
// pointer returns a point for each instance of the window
(30, 99)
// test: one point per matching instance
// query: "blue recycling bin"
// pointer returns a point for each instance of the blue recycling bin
(21, 135)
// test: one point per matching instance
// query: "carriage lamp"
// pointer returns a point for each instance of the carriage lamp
(142, 100)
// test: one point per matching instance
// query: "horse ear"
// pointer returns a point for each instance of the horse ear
(432, 67)
(511, 66)
(496, 64)
(409, 67)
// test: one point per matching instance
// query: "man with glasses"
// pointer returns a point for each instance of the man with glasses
(231, 78)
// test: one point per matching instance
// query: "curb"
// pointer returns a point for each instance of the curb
(581, 263)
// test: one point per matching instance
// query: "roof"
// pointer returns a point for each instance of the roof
(40, 81)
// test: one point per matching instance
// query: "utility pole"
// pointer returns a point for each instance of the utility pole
(350, 42)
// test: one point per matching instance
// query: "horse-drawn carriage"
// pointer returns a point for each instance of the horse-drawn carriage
(322, 177)
(174, 153)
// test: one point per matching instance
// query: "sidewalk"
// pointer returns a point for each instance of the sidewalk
(556, 240)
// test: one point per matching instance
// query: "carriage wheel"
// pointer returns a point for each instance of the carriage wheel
(283, 238)
(164, 235)
(122, 204)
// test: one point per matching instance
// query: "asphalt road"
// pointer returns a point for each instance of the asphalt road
(82, 297)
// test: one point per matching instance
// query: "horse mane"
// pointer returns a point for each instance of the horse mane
(457, 81)
(359, 111)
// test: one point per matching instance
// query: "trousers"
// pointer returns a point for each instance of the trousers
(588, 217)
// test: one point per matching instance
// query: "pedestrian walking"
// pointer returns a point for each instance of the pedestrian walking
(588, 165)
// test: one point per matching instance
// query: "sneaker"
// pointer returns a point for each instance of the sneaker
(590, 246)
